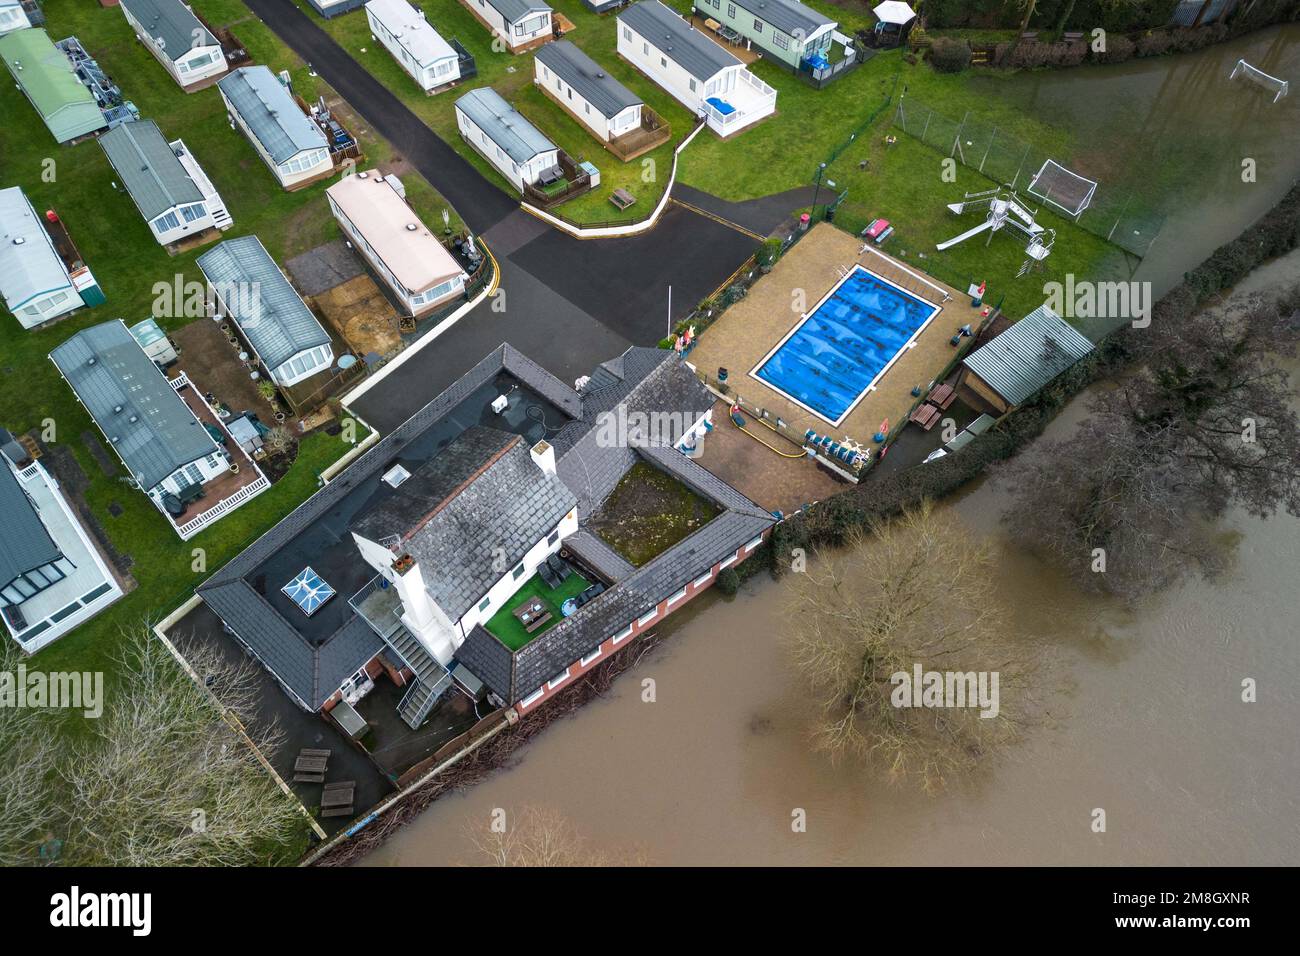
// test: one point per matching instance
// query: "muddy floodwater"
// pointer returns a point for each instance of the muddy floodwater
(1144, 719)
(1144, 716)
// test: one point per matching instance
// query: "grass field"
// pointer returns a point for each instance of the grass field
(506, 626)
(120, 250)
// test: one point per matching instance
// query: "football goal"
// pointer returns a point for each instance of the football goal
(1067, 191)
(1278, 88)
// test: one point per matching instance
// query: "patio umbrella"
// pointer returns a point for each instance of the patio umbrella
(894, 11)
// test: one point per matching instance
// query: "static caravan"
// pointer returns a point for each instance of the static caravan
(284, 136)
(12, 17)
(37, 282)
(593, 97)
(418, 270)
(44, 74)
(783, 30)
(332, 8)
(417, 47)
(247, 285)
(521, 24)
(509, 142)
(165, 182)
(177, 39)
(699, 73)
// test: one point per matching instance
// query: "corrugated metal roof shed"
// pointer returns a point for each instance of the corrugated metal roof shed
(1028, 355)
(147, 423)
(587, 78)
(172, 23)
(29, 266)
(676, 39)
(269, 109)
(268, 310)
(148, 168)
(504, 124)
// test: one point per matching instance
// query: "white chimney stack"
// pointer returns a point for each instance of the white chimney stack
(544, 455)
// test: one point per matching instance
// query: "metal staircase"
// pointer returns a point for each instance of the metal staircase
(431, 678)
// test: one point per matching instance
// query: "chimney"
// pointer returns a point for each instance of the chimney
(409, 582)
(544, 455)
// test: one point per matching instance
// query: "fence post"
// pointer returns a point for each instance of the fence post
(989, 148)
(956, 143)
(1015, 179)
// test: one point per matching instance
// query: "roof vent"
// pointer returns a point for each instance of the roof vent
(117, 409)
(91, 360)
(133, 419)
(19, 240)
(411, 227)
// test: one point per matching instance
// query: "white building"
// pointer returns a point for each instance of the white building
(177, 39)
(247, 285)
(165, 182)
(12, 17)
(284, 136)
(52, 577)
(35, 282)
(521, 24)
(415, 266)
(597, 100)
(699, 73)
(417, 47)
(509, 142)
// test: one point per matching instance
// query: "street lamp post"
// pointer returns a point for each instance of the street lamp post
(821, 168)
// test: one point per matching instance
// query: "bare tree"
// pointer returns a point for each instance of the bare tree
(1126, 504)
(164, 779)
(26, 763)
(916, 590)
(539, 836)
(278, 441)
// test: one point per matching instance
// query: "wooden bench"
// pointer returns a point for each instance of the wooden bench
(336, 799)
(925, 416)
(622, 199)
(1072, 36)
(1030, 35)
(942, 397)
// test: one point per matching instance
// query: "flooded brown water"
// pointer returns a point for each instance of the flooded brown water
(1144, 712)
(1144, 719)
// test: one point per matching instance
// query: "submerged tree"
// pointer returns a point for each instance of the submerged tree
(914, 591)
(1126, 504)
(538, 836)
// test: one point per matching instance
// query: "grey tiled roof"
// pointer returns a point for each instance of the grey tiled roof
(25, 544)
(146, 422)
(276, 322)
(599, 556)
(676, 39)
(788, 16)
(587, 78)
(148, 168)
(171, 22)
(269, 109)
(477, 507)
(503, 124)
(1028, 355)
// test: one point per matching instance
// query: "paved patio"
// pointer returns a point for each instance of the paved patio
(749, 330)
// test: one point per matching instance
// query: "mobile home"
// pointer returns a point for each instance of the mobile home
(291, 145)
(178, 40)
(517, 148)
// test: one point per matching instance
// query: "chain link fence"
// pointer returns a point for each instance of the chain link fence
(1118, 216)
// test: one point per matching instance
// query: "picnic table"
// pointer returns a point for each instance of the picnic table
(925, 415)
(337, 798)
(943, 396)
(310, 766)
(622, 198)
(532, 614)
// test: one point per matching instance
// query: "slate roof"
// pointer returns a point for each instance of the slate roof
(676, 39)
(587, 78)
(515, 10)
(274, 319)
(481, 498)
(25, 544)
(504, 124)
(269, 109)
(29, 267)
(788, 16)
(1028, 355)
(148, 168)
(146, 422)
(171, 22)
(314, 669)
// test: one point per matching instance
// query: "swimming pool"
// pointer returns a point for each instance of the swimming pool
(827, 362)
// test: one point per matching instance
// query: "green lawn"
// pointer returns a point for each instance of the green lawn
(506, 626)
(121, 252)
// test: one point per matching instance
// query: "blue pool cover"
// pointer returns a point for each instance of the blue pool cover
(721, 105)
(831, 357)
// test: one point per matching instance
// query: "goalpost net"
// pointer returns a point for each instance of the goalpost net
(1067, 191)
(1279, 88)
